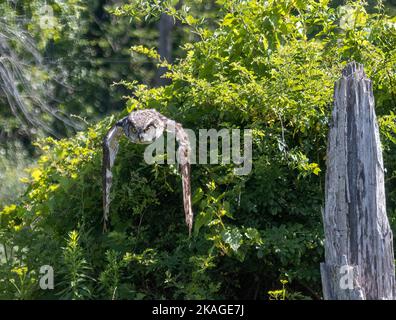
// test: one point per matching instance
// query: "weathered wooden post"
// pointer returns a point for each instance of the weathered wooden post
(359, 257)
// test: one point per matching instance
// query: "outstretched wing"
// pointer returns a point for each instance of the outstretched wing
(110, 149)
(183, 153)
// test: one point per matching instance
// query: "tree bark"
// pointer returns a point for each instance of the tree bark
(166, 25)
(359, 257)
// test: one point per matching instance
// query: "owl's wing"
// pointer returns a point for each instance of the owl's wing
(183, 153)
(110, 149)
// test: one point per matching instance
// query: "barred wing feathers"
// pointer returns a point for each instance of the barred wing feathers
(110, 149)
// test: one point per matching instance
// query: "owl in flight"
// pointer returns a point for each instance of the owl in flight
(144, 127)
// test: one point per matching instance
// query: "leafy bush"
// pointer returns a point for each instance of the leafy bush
(13, 160)
(269, 66)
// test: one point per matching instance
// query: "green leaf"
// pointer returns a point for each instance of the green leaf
(232, 237)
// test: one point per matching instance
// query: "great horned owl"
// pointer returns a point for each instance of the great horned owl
(143, 127)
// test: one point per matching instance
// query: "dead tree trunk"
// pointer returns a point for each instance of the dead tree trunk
(166, 25)
(359, 257)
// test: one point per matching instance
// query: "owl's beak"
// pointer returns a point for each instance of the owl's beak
(140, 135)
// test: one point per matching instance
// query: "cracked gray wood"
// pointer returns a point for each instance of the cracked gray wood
(358, 237)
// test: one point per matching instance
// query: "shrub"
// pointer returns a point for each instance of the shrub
(269, 66)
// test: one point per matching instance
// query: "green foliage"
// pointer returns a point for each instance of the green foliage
(75, 278)
(279, 294)
(269, 66)
(13, 161)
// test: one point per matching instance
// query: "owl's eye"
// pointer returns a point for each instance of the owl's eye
(150, 126)
(132, 129)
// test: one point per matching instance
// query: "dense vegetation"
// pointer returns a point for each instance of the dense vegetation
(64, 65)
(268, 66)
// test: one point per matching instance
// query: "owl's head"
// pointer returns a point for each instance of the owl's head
(142, 126)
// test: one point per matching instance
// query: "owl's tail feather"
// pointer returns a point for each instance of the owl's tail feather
(110, 149)
(189, 215)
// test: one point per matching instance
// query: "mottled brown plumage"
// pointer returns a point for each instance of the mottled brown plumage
(144, 127)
